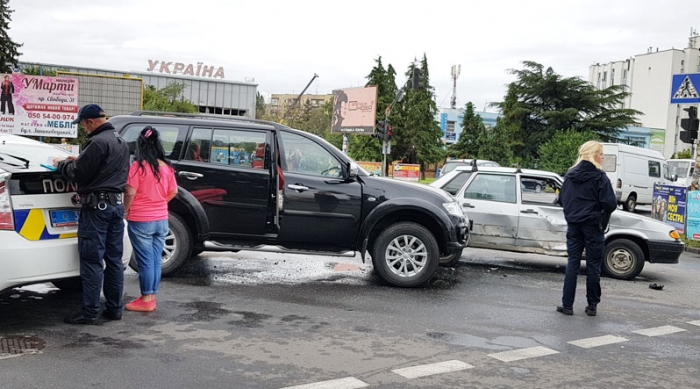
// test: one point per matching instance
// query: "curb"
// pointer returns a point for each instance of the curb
(692, 249)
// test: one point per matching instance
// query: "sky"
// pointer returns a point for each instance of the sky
(281, 44)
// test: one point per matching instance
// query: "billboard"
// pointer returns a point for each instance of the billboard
(38, 105)
(354, 110)
(406, 172)
(693, 230)
(669, 205)
(657, 140)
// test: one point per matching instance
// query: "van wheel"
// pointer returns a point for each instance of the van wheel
(452, 259)
(538, 188)
(623, 259)
(405, 254)
(630, 204)
(178, 247)
(69, 285)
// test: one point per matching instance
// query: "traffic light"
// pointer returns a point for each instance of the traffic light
(417, 79)
(690, 125)
(388, 133)
(380, 133)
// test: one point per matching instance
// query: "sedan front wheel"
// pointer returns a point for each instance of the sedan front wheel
(624, 259)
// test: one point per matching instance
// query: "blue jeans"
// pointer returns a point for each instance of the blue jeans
(148, 239)
(100, 246)
(578, 237)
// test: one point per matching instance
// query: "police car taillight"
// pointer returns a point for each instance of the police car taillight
(6, 222)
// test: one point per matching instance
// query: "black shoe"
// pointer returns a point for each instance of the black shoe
(111, 315)
(591, 310)
(78, 318)
(565, 310)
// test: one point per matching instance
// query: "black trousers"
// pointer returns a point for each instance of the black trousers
(101, 244)
(7, 100)
(578, 237)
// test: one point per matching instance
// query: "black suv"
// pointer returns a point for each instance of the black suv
(246, 184)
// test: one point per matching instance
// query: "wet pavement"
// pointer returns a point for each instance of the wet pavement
(257, 320)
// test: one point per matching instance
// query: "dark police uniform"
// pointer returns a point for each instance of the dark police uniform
(101, 172)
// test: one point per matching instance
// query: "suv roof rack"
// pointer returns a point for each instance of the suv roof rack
(199, 116)
(474, 165)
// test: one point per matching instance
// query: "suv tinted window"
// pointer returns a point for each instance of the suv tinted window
(305, 156)
(168, 137)
(199, 148)
(238, 147)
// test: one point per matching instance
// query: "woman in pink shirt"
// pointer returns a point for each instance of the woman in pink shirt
(150, 186)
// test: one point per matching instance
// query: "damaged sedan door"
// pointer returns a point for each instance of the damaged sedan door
(542, 227)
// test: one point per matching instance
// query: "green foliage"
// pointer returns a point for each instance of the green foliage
(259, 106)
(8, 48)
(542, 103)
(167, 99)
(560, 153)
(683, 154)
(495, 143)
(419, 139)
(467, 146)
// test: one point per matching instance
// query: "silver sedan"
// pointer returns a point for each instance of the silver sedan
(508, 215)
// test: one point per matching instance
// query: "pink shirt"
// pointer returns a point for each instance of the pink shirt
(150, 202)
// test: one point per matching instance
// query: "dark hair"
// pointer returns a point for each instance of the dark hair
(150, 150)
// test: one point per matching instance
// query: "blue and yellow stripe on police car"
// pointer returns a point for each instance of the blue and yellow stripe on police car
(30, 224)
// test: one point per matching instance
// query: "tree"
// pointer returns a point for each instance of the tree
(259, 106)
(467, 145)
(8, 48)
(167, 99)
(560, 153)
(495, 143)
(419, 139)
(542, 103)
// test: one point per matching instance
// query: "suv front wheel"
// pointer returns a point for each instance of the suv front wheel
(177, 249)
(405, 254)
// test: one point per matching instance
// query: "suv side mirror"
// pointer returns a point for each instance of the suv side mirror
(351, 171)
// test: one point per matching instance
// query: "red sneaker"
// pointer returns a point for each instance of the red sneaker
(139, 305)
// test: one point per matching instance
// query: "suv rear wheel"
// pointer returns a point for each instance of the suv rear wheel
(405, 254)
(177, 249)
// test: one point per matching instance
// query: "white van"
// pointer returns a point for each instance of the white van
(682, 169)
(633, 171)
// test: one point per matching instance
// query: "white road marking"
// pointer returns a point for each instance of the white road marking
(695, 323)
(433, 368)
(341, 383)
(658, 331)
(598, 341)
(523, 353)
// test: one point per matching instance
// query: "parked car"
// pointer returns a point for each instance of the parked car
(453, 163)
(633, 172)
(681, 171)
(38, 222)
(246, 184)
(505, 216)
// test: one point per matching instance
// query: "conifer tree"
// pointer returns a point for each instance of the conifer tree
(8, 48)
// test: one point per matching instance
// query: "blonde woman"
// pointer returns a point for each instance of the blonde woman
(588, 200)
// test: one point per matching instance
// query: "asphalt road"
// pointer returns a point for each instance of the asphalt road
(256, 320)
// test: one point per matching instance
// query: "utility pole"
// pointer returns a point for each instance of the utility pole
(456, 70)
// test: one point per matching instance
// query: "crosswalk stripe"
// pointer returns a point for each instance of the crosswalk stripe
(658, 331)
(433, 368)
(598, 341)
(523, 353)
(695, 322)
(341, 383)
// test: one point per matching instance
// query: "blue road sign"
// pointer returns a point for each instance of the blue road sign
(684, 88)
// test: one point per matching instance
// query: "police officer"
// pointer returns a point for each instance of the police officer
(101, 172)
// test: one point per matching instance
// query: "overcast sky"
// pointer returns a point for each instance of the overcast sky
(282, 43)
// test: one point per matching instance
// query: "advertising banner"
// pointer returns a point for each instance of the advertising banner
(669, 205)
(657, 139)
(693, 217)
(406, 172)
(38, 105)
(371, 167)
(354, 110)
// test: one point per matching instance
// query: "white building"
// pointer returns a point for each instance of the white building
(649, 77)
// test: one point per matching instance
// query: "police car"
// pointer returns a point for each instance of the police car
(38, 222)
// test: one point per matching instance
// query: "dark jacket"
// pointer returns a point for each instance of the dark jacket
(587, 195)
(103, 164)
